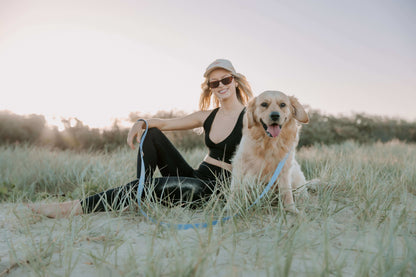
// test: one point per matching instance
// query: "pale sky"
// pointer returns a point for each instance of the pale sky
(102, 59)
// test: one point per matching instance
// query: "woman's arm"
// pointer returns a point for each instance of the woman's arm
(191, 121)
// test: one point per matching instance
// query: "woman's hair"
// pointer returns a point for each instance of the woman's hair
(243, 91)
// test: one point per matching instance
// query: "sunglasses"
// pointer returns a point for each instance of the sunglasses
(225, 81)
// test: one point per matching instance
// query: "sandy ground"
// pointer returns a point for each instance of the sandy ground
(107, 245)
(86, 234)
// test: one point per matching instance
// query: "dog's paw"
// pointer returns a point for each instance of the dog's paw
(291, 208)
(312, 185)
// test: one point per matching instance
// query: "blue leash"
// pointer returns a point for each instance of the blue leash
(194, 225)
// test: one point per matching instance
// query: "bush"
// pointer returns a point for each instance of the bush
(322, 129)
(327, 129)
(17, 128)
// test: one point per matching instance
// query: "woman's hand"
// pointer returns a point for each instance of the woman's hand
(135, 132)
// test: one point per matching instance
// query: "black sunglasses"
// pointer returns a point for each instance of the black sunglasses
(225, 81)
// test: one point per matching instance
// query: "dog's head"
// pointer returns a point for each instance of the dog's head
(272, 110)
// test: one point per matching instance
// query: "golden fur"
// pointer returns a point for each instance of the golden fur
(259, 154)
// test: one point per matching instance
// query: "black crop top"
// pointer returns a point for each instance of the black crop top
(225, 149)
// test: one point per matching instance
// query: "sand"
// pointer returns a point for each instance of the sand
(106, 244)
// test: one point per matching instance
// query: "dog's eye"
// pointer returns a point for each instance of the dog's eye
(282, 105)
(264, 104)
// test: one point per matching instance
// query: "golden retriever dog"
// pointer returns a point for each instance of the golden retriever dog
(270, 131)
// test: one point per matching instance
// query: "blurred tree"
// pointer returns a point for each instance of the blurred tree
(20, 129)
(322, 129)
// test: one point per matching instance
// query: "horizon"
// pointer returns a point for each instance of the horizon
(100, 61)
(127, 123)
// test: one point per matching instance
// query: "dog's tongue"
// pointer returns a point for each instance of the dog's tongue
(274, 130)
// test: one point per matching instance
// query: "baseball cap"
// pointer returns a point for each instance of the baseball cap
(220, 63)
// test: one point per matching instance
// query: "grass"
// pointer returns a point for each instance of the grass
(360, 220)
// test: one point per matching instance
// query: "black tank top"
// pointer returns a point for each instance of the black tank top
(225, 149)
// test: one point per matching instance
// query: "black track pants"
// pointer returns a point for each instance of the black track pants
(180, 182)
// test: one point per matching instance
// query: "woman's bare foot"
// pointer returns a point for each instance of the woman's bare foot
(57, 210)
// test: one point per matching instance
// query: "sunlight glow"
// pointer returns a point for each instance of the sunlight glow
(102, 60)
(84, 74)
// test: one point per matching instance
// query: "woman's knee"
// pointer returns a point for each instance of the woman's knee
(154, 131)
(153, 134)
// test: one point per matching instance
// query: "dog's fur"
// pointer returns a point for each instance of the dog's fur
(262, 148)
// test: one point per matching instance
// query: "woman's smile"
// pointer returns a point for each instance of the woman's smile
(224, 90)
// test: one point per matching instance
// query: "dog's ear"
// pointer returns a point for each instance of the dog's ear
(251, 117)
(298, 111)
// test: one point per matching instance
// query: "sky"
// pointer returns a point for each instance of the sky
(98, 60)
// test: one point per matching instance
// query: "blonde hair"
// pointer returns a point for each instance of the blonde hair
(243, 91)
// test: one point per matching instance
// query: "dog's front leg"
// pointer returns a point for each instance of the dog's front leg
(285, 190)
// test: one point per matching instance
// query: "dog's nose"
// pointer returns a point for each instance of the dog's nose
(274, 116)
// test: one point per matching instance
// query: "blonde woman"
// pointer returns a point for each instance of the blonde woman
(229, 91)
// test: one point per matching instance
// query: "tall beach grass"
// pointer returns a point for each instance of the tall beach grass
(359, 220)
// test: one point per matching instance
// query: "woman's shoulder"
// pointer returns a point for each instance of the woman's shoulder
(203, 114)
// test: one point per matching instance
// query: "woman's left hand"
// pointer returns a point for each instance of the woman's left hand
(135, 131)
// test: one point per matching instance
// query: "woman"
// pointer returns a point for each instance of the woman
(230, 91)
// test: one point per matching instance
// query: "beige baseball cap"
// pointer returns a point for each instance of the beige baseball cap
(220, 63)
